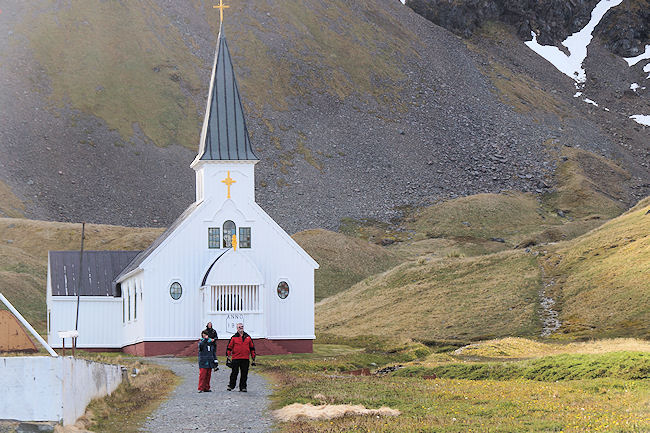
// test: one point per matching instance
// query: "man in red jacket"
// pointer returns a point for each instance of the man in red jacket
(240, 347)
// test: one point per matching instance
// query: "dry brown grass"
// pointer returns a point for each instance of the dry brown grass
(344, 260)
(517, 348)
(125, 410)
(602, 279)
(511, 216)
(440, 299)
(588, 185)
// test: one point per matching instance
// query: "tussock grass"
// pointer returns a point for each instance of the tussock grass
(440, 299)
(344, 260)
(567, 366)
(589, 185)
(602, 279)
(510, 216)
(23, 256)
(516, 348)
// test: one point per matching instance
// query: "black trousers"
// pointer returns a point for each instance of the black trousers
(238, 364)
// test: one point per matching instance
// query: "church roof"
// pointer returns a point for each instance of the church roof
(101, 267)
(224, 135)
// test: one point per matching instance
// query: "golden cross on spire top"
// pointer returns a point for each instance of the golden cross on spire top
(221, 7)
(228, 181)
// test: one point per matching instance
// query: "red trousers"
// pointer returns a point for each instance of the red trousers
(204, 379)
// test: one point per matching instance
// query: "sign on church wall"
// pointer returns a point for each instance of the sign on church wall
(232, 320)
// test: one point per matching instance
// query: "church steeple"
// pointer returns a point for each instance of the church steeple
(224, 136)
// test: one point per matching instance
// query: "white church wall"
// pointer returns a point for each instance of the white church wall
(210, 176)
(134, 321)
(292, 317)
(184, 257)
(100, 321)
(40, 388)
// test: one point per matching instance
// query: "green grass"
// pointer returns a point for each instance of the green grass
(570, 393)
(616, 365)
(369, 353)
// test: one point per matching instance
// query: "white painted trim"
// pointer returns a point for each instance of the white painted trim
(28, 326)
(171, 236)
(130, 274)
(86, 299)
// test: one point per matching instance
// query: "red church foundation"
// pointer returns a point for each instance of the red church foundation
(263, 347)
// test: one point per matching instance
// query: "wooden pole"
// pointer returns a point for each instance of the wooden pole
(79, 283)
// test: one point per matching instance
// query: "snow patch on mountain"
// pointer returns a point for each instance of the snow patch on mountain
(571, 64)
(643, 119)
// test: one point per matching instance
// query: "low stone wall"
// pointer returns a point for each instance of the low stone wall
(44, 388)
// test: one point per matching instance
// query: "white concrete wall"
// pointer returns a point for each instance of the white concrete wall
(39, 388)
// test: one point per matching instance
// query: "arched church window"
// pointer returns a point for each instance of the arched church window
(283, 290)
(175, 290)
(228, 230)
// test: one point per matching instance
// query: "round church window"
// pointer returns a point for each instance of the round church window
(283, 290)
(176, 290)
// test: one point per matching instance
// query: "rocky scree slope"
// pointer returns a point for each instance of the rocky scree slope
(354, 110)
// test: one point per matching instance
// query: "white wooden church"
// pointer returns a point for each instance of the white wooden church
(224, 260)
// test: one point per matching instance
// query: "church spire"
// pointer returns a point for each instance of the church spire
(224, 135)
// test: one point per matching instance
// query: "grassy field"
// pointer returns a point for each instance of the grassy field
(343, 260)
(440, 299)
(579, 400)
(604, 273)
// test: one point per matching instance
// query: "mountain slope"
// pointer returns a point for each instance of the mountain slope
(602, 279)
(600, 282)
(354, 108)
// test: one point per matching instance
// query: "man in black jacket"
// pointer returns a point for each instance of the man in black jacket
(212, 334)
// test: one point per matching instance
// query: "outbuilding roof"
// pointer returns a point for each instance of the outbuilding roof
(99, 270)
(224, 135)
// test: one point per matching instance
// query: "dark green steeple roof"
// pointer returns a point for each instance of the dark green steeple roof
(224, 135)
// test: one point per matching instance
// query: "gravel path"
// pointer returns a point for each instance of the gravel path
(217, 411)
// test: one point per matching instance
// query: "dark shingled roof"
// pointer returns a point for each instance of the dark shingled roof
(224, 135)
(100, 268)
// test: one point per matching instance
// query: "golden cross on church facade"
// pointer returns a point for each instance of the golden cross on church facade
(221, 7)
(228, 181)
